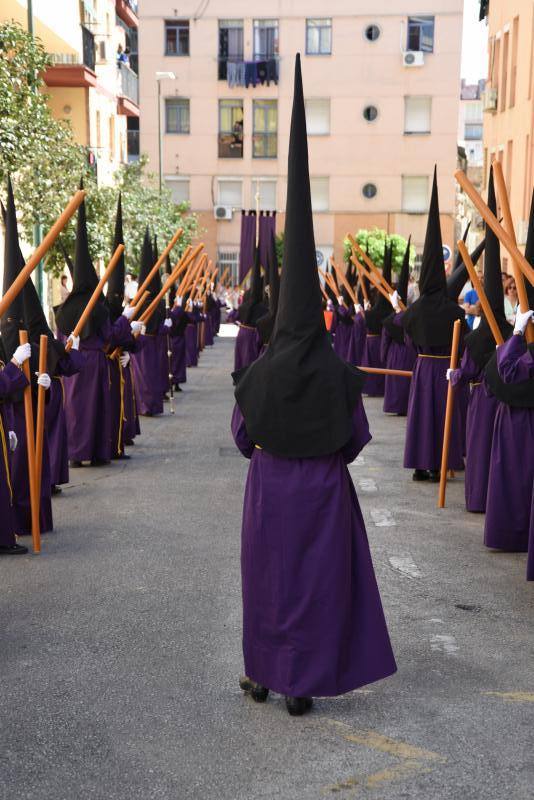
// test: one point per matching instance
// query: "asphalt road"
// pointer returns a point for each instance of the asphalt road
(120, 644)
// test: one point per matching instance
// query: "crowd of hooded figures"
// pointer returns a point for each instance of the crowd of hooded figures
(313, 623)
(98, 383)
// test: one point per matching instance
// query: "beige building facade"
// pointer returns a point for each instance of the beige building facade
(382, 95)
(509, 103)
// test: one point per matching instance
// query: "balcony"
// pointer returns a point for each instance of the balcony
(73, 69)
(128, 91)
(127, 12)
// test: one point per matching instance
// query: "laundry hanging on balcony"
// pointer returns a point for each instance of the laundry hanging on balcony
(252, 73)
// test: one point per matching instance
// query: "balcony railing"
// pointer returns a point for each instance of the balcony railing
(88, 48)
(129, 83)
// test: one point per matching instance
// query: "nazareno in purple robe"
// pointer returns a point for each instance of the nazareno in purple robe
(313, 623)
(20, 479)
(131, 426)
(396, 355)
(480, 420)
(359, 332)
(178, 357)
(426, 413)
(509, 522)
(55, 419)
(12, 380)
(344, 334)
(148, 378)
(191, 342)
(247, 346)
(374, 384)
(87, 395)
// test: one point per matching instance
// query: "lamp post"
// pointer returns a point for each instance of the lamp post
(159, 77)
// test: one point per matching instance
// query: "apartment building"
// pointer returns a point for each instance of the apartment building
(471, 157)
(509, 102)
(382, 95)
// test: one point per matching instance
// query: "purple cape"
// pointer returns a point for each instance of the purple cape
(11, 380)
(374, 384)
(313, 623)
(55, 418)
(396, 355)
(191, 345)
(247, 347)
(147, 377)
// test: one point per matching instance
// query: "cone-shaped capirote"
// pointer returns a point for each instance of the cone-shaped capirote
(395, 331)
(457, 279)
(432, 276)
(381, 307)
(265, 325)
(298, 398)
(458, 260)
(13, 318)
(529, 253)
(253, 308)
(115, 295)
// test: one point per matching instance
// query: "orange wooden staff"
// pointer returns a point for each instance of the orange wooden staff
(329, 279)
(374, 269)
(118, 350)
(156, 266)
(448, 416)
(201, 267)
(223, 276)
(344, 281)
(147, 313)
(403, 373)
(362, 282)
(30, 447)
(192, 268)
(86, 313)
(41, 401)
(373, 278)
(39, 252)
(482, 296)
(509, 227)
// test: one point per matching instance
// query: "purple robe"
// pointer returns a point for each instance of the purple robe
(148, 378)
(191, 342)
(396, 355)
(480, 420)
(56, 420)
(12, 380)
(247, 346)
(313, 623)
(344, 333)
(131, 426)
(178, 348)
(511, 476)
(374, 384)
(208, 330)
(359, 332)
(87, 395)
(426, 413)
(20, 478)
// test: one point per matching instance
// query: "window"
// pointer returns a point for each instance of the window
(264, 140)
(230, 44)
(265, 39)
(369, 190)
(230, 192)
(266, 187)
(318, 37)
(319, 194)
(504, 77)
(421, 34)
(370, 113)
(513, 71)
(371, 33)
(177, 37)
(229, 257)
(318, 117)
(473, 131)
(230, 129)
(417, 114)
(414, 193)
(176, 115)
(179, 188)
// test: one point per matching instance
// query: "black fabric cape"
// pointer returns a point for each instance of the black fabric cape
(395, 332)
(253, 308)
(265, 324)
(298, 398)
(115, 294)
(382, 307)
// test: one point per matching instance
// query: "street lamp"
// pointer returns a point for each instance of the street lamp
(160, 76)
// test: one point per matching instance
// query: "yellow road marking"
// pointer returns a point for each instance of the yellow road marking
(513, 697)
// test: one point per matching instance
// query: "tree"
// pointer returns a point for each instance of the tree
(373, 243)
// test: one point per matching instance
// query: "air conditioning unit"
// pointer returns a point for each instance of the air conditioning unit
(522, 231)
(223, 212)
(489, 100)
(413, 58)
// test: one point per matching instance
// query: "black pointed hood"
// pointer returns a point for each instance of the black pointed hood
(298, 398)
(395, 331)
(458, 261)
(147, 262)
(429, 321)
(68, 259)
(168, 271)
(253, 308)
(265, 325)
(84, 282)
(459, 277)
(115, 294)
(13, 318)
(529, 253)
(381, 307)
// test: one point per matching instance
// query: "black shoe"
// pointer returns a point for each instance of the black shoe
(75, 464)
(99, 462)
(121, 457)
(420, 475)
(129, 442)
(434, 475)
(166, 398)
(178, 388)
(258, 693)
(297, 706)
(56, 489)
(13, 550)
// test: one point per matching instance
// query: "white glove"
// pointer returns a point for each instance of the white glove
(124, 358)
(358, 309)
(340, 300)
(143, 329)
(168, 323)
(136, 326)
(128, 312)
(22, 353)
(367, 305)
(43, 380)
(13, 441)
(179, 301)
(522, 320)
(449, 373)
(394, 300)
(75, 340)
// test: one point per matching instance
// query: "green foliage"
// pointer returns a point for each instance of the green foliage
(279, 248)
(46, 164)
(373, 242)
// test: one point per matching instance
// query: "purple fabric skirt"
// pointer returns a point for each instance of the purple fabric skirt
(397, 389)
(374, 384)
(479, 432)
(56, 432)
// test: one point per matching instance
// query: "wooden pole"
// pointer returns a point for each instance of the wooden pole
(223, 276)
(328, 278)
(403, 373)
(494, 224)
(191, 268)
(362, 282)
(41, 400)
(39, 252)
(373, 269)
(448, 416)
(522, 296)
(147, 313)
(30, 447)
(373, 279)
(344, 281)
(479, 289)
(118, 350)
(156, 266)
